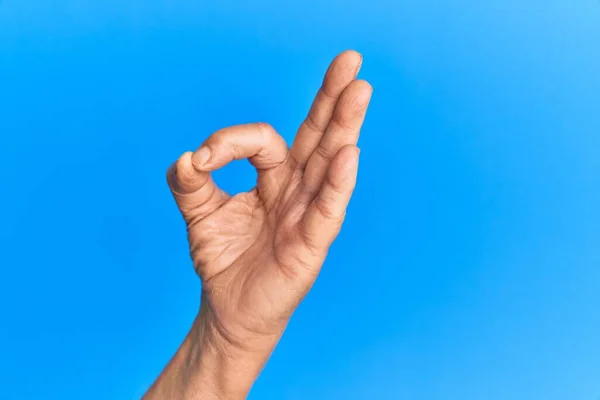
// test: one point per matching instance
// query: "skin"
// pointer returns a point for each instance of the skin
(258, 253)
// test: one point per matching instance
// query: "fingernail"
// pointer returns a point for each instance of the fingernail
(358, 67)
(201, 156)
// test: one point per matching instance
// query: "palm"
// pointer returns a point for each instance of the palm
(259, 252)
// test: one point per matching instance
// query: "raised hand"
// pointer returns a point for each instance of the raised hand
(258, 253)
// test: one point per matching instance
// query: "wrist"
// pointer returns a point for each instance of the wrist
(224, 364)
(206, 367)
(214, 363)
(219, 368)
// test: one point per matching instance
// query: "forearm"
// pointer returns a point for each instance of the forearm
(207, 367)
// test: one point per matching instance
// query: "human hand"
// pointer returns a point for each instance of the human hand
(258, 253)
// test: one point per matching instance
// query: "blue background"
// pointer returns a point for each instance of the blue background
(469, 266)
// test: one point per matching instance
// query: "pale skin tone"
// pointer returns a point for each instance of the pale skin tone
(258, 253)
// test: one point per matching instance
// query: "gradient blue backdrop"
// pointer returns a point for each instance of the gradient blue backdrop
(469, 266)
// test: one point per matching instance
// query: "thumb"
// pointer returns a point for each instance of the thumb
(195, 193)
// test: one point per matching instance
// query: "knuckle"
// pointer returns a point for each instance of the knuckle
(325, 208)
(265, 129)
(311, 123)
(216, 141)
(343, 120)
(336, 188)
(311, 241)
(358, 108)
(324, 152)
(327, 92)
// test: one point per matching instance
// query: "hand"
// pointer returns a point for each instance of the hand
(258, 253)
